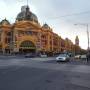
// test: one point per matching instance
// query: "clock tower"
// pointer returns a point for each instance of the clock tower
(77, 41)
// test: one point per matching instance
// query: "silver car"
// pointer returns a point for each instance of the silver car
(63, 57)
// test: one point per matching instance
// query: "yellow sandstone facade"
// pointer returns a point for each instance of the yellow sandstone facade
(27, 35)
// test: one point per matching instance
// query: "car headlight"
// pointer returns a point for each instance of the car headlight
(64, 58)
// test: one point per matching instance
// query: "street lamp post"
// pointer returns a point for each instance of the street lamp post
(87, 35)
(86, 31)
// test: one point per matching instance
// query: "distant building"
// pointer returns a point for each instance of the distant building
(26, 35)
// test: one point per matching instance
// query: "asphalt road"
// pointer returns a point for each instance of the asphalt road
(43, 74)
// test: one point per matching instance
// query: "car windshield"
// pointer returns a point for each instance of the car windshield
(62, 55)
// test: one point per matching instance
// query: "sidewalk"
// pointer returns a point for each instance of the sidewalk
(9, 55)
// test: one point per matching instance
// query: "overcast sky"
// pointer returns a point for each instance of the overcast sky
(61, 15)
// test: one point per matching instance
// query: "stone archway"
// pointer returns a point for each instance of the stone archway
(27, 47)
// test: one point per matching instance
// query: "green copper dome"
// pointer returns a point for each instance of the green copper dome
(26, 14)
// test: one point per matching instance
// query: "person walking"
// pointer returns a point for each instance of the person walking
(88, 56)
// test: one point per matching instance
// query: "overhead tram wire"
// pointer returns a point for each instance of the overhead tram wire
(68, 15)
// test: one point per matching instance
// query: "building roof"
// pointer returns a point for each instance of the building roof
(5, 22)
(46, 26)
(26, 14)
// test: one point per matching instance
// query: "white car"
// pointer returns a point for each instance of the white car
(63, 57)
(43, 55)
(77, 57)
(83, 57)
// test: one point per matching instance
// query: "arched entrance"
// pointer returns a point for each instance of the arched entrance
(27, 47)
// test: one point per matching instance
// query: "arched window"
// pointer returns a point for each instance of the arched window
(28, 44)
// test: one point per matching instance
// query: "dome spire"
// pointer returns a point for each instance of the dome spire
(27, 8)
(27, 13)
(27, 2)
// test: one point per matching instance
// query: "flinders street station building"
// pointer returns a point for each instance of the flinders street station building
(26, 35)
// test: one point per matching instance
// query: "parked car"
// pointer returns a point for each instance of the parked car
(63, 57)
(30, 55)
(77, 57)
(83, 57)
(43, 55)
